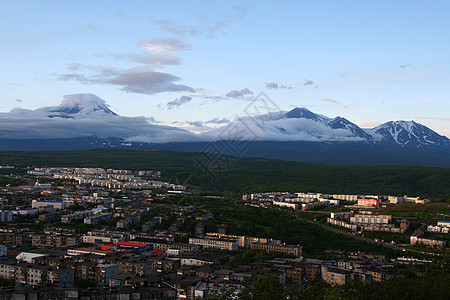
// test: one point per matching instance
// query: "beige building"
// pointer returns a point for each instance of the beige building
(218, 243)
(271, 247)
(336, 276)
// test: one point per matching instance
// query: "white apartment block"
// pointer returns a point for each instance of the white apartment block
(370, 219)
(225, 244)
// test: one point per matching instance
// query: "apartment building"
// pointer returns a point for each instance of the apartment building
(370, 219)
(99, 218)
(336, 276)
(218, 243)
(55, 204)
(269, 247)
(32, 274)
(286, 204)
(13, 238)
(368, 202)
(54, 240)
(5, 216)
(415, 240)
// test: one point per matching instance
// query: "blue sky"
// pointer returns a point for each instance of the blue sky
(368, 61)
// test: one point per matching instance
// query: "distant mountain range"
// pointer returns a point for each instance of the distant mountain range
(84, 121)
(300, 124)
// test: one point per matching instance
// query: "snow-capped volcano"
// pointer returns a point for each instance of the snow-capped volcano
(85, 115)
(300, 124)
(84, 121)
(408, 133)
(342, 123)
(82, 104)
(303, 113)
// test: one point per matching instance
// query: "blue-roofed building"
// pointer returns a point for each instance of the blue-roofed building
(444, 223)
(442, 226)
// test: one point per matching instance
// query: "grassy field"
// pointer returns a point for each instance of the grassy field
(425, 213)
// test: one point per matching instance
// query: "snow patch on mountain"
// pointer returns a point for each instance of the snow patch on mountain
(408, 133)
(82, 104)
(303, 113)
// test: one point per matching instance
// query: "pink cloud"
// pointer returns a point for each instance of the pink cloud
(331, 101)
(430, 118)
(367, 124)
(381, 78)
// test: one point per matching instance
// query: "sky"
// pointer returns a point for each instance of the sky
(201, 63)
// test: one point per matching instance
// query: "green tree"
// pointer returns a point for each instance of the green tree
(266, 287)
(6, 282)
(83, 283)
(225, 293)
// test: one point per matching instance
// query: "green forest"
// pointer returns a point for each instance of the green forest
(250, 175)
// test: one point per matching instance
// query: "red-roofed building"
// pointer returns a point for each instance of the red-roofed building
(135, 246)
(158, 252)
(107, 247)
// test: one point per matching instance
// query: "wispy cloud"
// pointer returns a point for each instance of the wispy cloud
(219, 121)
(141, 80)
(381, 78)
(206, 25)
(445, 119)
(275, 86)
(165, 44)
(154, 60)
(195, 123)
(332, 101)
(92, 27)
(178, 102)
(238, 94)
(410, 68)
(352, 68)
(175, 28)
(148, 83)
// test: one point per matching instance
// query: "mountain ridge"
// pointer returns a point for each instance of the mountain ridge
(84, 121)
(300, 124)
